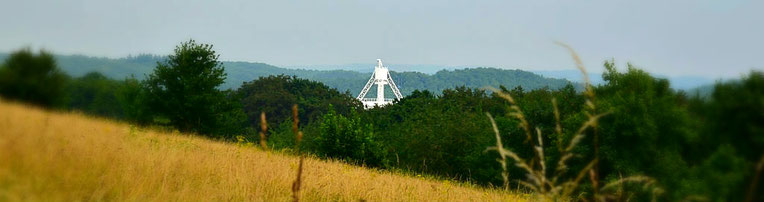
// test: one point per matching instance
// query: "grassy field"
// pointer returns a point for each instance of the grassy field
(50, 156)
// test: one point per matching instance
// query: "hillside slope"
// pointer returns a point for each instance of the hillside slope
(342, 80)
(49, 156)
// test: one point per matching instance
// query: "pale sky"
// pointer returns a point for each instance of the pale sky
(716, 39)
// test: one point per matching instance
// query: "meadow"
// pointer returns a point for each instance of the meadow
(57, 156)
(176, 136)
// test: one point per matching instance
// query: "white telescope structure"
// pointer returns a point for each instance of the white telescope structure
(381, 77)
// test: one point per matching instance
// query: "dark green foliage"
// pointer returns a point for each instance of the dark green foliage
(275, 96)
(98, 95)
(645, 129)
(348, 138)
(722, 176)
(739, 109)
(184, 89)
(95, 94)
(730, 125)
(448, 134)
(32, 78)
(438, 135)
(652, 130)
(230, 118)
(695, 147)
(133, 100)
(281, 136)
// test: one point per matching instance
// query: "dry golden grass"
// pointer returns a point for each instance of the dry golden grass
(49, 156)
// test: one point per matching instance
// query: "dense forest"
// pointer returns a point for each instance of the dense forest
(239, 72)
(692, 148)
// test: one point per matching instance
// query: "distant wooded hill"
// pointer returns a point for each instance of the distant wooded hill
(343, 80)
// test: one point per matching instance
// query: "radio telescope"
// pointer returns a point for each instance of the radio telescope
(381, 77)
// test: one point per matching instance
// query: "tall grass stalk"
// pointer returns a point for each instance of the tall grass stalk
(298, 133)
(502, 153)
(263, 130)
(752, 188)
(558, 185)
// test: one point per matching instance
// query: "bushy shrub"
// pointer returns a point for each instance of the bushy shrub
(348, 138)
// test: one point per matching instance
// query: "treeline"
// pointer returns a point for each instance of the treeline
(342, 80)
(695, 148)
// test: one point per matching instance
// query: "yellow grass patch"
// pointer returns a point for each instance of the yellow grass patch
(50, 156)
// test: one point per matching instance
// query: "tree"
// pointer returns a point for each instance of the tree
(184, 89)
(736, 113)
(133, 98)
(275, 96)
(32, 78)
(731, 139)
(95, 94)
(645, 129)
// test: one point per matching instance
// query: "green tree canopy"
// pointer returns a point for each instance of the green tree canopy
(184, 89)
(349, 138)
(275, 96)
(731, 139)
(32, 78)
(646, 128)
(94, 93)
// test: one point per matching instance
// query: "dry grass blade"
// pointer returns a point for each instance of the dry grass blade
(263, 130)
(580, 65)
(519, 162)
(589, 103)
(516, 112)
(533, 187)
(503, 156)
(584, 171)
(537, 179)
(297, 182)
(298, 139)
(754, 183)
(646, 181)
(540, 156)
(557, 125)
(590, 123)
(295, 119)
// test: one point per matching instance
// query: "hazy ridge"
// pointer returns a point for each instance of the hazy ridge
(344, 80)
